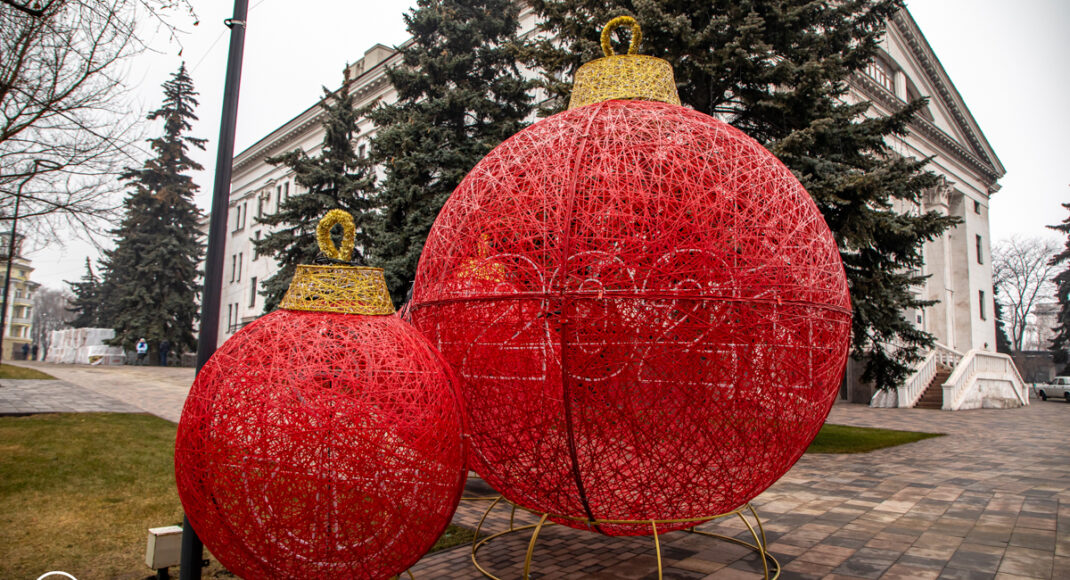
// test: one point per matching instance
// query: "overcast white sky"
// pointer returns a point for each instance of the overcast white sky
(1006, 59)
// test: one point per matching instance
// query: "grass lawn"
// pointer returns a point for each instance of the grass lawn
(78, 493)
(14, 372)
(844, 439)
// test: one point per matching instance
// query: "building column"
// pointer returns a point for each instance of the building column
(941, 287)
(899, 81)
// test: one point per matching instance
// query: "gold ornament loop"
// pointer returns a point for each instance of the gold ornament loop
(637, 34)
(349, 235)
(624, 76)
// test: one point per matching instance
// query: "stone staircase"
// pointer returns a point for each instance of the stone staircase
(977, 379)
(933, 397)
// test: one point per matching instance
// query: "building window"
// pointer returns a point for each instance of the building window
(233, 266)
(980, 260)
(259, 207)
(976, 207)
(256, 238)
(239, 267)
(879, 71)
(981, 303)
(285, 192)
(232, 317)
(239, 216)
(361, 150)
(252, 292)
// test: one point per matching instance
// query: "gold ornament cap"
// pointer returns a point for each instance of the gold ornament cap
(624, 76)
(338, 288)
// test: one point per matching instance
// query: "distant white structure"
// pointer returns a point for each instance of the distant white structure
(84, 346)
(1040, 334)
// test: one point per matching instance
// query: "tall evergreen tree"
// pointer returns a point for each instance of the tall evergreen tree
(778, 70)
(88, 304)
(460, 94)
(335, 178)
(150, 277)
(1060, 345)
(1003, 344)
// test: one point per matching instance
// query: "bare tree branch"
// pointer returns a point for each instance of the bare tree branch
(67, 127)
(36, 10)
(1023, 272)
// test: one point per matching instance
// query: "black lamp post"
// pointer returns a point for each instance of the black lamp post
(192, 548)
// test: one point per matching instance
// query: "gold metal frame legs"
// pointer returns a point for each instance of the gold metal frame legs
(770, 565)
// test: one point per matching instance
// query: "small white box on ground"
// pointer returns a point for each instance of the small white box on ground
(165, 547)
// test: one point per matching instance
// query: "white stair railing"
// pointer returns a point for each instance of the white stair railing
(980, 370)
(941, 354)
(910, 392)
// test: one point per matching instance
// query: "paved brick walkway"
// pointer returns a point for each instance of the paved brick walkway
(160, 391)
(18, 397)
(989, 500)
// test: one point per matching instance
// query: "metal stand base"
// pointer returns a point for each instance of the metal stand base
(770, 565)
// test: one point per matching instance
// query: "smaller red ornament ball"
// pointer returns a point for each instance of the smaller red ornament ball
(321, 445)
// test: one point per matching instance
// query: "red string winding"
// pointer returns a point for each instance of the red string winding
(321, 445)
(647, 312)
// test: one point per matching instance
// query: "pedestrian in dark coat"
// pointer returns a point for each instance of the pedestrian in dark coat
(165, 347)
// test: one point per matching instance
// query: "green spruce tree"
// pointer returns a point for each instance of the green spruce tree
(150, 277)
(335, 178)
(88, 304)
(1060, 345)
(778, 70)
(1003, 344)
(460, 94)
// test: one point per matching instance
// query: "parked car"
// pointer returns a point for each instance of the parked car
(1058, 387)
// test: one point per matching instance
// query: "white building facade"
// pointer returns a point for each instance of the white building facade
(958, 264)
(18, 323)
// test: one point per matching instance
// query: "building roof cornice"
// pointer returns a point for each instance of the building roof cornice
(981, 149)
(882, 96)
(366, 84)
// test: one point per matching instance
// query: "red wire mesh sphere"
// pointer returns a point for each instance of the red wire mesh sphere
(321, 445)
(648, 314)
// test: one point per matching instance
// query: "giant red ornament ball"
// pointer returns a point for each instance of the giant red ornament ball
(317, 444)
(648, 314)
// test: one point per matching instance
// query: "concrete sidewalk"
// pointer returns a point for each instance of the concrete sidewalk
(989, 500)
(160, 391)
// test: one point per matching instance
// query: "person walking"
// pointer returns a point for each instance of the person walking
(165, 347)
(33, 351)
(142, 351)
(25, 351)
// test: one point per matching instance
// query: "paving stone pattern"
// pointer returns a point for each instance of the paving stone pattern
(19, 397)
(989, 500)
(160, 391)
